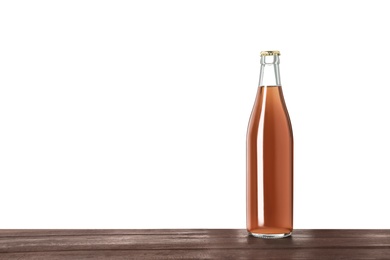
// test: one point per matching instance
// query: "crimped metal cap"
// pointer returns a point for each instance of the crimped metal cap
(269, 53)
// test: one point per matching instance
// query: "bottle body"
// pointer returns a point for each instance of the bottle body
(269, 166)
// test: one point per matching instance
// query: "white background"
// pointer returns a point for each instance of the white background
(133, 114)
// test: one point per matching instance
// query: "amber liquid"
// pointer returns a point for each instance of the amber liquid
(269, 165)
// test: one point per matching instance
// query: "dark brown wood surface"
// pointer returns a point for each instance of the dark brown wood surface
(191, 244)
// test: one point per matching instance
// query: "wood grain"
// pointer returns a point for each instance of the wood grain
(192, 244)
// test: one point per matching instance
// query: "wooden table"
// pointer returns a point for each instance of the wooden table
(192, 244)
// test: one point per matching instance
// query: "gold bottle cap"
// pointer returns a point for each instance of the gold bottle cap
(269, 53)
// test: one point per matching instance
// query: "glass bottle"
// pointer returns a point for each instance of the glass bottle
(269, 157)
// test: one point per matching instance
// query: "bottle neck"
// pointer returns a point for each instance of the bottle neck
(269, 71)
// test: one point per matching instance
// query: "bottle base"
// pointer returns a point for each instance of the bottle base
(271, 236)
